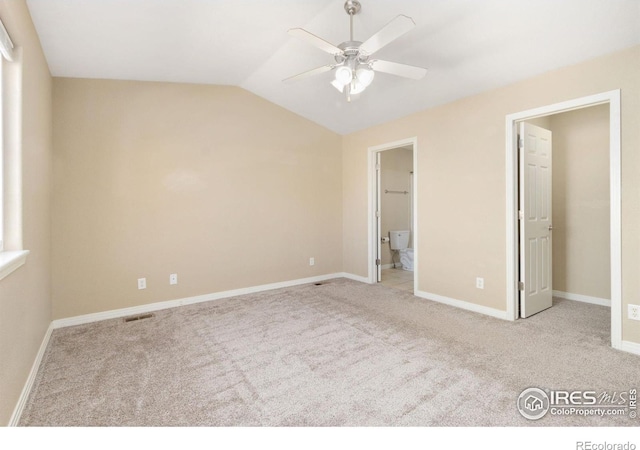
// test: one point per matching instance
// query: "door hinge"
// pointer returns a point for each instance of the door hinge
(521, 285)
(377, 262)
(377, 213)
(520, 215)
(520, 143)
(377, 166)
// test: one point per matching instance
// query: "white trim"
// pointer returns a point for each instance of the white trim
(371, 223)
(613, 99)
(353, 277)
(12, 153)
(631, 347)
(149, 307)
(26, 390)
(615, 175)
(414, 208)
(474, 307)
(6, 45)
(2, 152)
(10, 261)
(582, 298)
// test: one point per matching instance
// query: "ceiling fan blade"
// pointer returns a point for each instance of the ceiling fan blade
(390, 32)
(401, 70)
(309, 73)
(315, 41)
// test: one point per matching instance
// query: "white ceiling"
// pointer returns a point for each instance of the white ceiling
(469, 46)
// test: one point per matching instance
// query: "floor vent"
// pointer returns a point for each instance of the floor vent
(140, 317)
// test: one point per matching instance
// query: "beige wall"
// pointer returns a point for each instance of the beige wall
(462, 178)
(395, 166)
(581, 238)
(543, 122)
(210, 182)
(230, 191)
(25, 302)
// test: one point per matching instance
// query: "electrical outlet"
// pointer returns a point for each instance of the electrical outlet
(142, 283)
(312, 261)
(634, 312)
(480, 283)
(173, 278)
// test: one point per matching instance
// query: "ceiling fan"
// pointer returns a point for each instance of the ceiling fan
(354, 67)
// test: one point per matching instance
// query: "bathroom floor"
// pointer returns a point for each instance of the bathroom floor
(398, 278)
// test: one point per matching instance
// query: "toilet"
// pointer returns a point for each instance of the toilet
(399, 241)
(406, 259)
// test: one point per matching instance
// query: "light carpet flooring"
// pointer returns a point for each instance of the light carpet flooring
(339, 354)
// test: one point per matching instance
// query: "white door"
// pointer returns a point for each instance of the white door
(378, 221)
(535, 219)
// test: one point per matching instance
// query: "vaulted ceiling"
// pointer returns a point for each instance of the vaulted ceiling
(469, 46)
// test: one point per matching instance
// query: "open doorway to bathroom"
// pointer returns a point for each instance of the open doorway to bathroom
(393, 215)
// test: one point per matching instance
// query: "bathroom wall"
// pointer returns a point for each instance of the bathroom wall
(395, 166)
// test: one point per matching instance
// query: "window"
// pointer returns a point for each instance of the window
(2, 152)
(12, 255)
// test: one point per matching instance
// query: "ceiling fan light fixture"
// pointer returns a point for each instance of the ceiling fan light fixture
(357, 87)
(365, 75)
(344, 75)
(354, 69)
(339, 86)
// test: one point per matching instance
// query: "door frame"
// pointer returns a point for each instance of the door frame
(371, 212)
(612, 98)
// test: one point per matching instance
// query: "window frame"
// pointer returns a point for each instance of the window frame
(12, 254)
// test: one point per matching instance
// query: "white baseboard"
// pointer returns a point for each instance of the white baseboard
(583, 298)
(631, 347)
(150, 307)
(463, 305)
(26, 390)
(354, 277)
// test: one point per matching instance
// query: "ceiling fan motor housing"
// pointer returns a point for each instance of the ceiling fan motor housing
(351, 50)
(352, 7)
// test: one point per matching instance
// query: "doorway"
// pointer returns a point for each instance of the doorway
(515, 287)
(393, 237)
